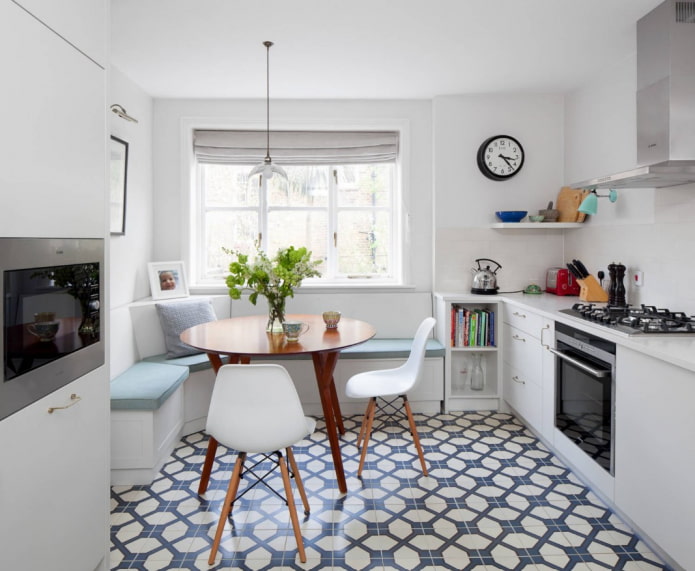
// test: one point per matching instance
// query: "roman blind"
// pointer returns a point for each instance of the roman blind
(296, 147)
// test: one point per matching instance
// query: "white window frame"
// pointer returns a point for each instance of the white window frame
(190, 202)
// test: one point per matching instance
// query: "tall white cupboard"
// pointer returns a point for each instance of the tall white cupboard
(54, 493)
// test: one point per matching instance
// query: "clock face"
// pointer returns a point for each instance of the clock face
(500, 157)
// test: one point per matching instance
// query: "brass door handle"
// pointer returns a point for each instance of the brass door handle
(74, 400)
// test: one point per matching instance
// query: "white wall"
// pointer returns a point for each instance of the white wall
(466, 201)
(131, 252)
(172, 177)
(647, 229)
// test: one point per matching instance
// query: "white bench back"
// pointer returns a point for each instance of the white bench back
(393, 315)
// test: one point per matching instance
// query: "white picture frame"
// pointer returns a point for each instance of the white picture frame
(167, 280)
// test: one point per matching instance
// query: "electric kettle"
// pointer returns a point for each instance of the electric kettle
(485, 279)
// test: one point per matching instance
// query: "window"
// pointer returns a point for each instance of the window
(344, 212)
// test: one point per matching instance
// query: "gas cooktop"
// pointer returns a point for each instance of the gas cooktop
(632, 320)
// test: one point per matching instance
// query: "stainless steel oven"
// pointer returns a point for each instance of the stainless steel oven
(585, 392)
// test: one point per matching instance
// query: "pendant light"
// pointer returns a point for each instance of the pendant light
(267, 169)
(590, 204)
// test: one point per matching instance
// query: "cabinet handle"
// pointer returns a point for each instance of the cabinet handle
(519, 314)
(545, 345)
(515, 336)
(73, 397)
(516, 379)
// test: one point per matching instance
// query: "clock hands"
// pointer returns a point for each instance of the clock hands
(507, 159)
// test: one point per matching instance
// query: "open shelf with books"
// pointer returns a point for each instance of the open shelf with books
(468, 326)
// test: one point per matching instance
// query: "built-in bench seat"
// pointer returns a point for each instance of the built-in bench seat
(146, 419)
(139, 434)
(372, 349)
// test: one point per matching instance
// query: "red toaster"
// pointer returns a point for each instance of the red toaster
(561, 282)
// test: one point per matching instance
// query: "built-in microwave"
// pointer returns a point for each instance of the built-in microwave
(51, 315)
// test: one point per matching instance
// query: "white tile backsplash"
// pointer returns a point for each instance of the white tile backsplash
(664, 250)
(524, 255)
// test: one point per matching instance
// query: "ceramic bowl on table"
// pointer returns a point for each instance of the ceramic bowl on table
(331, 319)
(511, 215)
(536, 218)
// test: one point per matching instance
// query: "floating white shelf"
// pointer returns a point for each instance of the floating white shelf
(538, 225)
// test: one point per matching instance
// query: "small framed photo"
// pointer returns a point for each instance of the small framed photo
(118, 177)
(167, 280)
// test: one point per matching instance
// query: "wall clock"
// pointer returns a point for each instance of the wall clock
(500, 157)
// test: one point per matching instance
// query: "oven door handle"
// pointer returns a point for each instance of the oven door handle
(583, 366)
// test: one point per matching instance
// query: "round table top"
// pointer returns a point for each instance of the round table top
(247, 336)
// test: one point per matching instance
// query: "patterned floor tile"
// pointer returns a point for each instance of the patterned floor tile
(496, 498)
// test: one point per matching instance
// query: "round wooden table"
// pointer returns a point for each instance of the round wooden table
(243, 338)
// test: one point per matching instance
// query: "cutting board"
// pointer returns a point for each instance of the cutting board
(568, 201)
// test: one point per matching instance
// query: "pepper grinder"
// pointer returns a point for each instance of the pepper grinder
(619, 285)
(611, 283)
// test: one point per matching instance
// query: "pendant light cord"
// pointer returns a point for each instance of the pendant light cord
(267, 100)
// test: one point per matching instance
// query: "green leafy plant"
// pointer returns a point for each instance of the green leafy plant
(275, 279)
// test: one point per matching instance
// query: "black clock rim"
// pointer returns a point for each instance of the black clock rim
(483, 167)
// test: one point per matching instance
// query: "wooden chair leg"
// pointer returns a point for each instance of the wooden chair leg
(416, 438)
(293, 509)
(298, 479)
(369, 417)
(363, 426)
(227, 506)
(207, 466)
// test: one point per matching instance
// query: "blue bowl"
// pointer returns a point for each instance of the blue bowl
(511, 215)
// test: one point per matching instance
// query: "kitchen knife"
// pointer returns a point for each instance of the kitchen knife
(574, 271)
(581, 267)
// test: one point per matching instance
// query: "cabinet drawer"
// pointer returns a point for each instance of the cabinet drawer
(523, 319)
(523, 351)
(523, 396)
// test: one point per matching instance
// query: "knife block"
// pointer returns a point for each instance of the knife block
(591, 290)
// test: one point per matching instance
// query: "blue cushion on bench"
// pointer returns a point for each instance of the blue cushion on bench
(146, 386)
(372, 349)
(390, 349)
(198, 362)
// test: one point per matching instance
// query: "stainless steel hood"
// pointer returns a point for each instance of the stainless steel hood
(665, 102)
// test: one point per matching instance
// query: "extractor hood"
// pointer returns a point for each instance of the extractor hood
(665, 102)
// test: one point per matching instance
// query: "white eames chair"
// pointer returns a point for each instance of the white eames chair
(389, 385)
(256, 409)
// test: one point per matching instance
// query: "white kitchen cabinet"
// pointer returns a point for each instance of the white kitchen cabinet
(54, 495)
(459, 360)
(528, 378)
(54, 480)
(655, 450)
(53, 148)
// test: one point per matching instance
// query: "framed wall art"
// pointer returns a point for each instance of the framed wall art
(167, 280)
(119, 178)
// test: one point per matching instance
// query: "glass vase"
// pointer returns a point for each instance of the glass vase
(477, 373)
(276, 316)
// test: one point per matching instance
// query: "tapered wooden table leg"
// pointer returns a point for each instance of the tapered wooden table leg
(324, 365)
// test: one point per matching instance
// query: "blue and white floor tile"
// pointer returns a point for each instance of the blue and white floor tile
(496, 498)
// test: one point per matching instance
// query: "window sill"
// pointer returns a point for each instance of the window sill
(312, 289)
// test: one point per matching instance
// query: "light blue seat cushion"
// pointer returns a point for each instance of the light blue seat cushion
(390, 349)
(372, 349)
(146, 386)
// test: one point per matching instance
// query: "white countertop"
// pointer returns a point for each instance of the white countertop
(675, 349)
